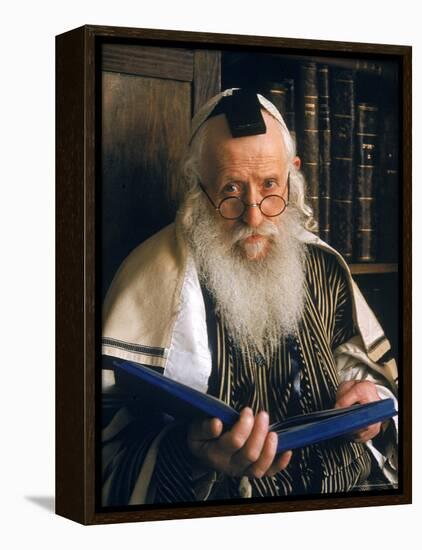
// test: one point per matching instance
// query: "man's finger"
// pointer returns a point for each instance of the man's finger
(366, 434)
(360, 392)
(204, 430)
(266, 458)
(234, 439)
(344, 387)
(254, 445)
(280, 463)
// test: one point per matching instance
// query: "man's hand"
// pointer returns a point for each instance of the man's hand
(359, 391)
(248, 448)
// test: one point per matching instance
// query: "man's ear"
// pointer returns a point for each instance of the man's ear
(297, 163)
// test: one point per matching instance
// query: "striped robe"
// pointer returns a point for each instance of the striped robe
(297, 376)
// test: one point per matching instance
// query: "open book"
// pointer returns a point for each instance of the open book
(182, 402)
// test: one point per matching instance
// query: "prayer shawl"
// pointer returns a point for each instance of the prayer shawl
(154, 314)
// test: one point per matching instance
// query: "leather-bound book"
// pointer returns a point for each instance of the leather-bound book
(342, 156)
(324, 153)
(290, 114)
(387, 195)
(309, 139)
(276, 93)
(366, 157)
(282, 94)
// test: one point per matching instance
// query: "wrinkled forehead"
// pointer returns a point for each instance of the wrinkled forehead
(218, 142)
(242, 108)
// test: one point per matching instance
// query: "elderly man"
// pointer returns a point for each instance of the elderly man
(239, 299)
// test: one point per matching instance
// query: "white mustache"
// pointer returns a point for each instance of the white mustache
(266, 229)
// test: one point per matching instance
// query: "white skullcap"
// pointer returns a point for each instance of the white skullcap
(204, 112)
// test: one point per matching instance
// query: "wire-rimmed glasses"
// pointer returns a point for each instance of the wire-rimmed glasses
(233, 208)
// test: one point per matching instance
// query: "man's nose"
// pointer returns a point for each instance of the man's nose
(253, 215)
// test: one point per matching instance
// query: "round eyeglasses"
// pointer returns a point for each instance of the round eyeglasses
(233, 208)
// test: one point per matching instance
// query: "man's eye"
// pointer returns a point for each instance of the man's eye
(270, 184)
(231, 188)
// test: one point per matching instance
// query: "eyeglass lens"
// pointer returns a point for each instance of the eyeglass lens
(232, 208)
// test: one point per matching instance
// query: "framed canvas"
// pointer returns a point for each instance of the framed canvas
(125, 99)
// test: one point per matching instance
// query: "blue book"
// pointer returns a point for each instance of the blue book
(183, 402)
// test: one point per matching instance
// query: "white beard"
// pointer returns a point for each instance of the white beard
(259, 300)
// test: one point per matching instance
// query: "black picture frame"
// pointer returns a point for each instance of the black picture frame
(79, 257)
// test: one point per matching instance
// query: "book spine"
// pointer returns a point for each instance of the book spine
(388, 190)
(276, 93)
(290, 114)
(309, 130)
(343, 120)
(282, 95)
(366, 152)
(324, 153)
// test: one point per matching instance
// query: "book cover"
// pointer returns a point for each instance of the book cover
(182, 402)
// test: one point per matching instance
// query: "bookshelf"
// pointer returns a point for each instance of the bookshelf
(351, 167)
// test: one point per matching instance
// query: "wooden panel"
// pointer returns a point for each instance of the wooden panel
(292, 45)
(70, 326)
(146, 125)
(406, 254)
(170, 63)
(91, 285)
(207, 75)
(247, 506)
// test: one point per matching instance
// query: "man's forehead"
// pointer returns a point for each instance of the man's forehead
(219, 141)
